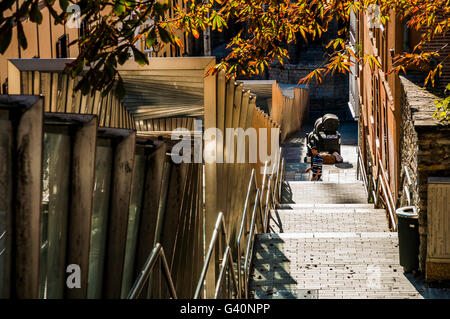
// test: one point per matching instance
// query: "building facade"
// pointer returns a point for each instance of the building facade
(380, 101)
(49, 41)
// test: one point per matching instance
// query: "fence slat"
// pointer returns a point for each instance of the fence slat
(28, 203)
(120, 203)
(79, 233)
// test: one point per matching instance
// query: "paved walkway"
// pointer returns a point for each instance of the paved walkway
(326, 240)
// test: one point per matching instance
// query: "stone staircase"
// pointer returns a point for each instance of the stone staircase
(327, 242)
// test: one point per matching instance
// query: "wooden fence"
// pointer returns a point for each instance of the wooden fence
(57, 88)
(289, 111)
(227, 105)
(88, 185)
(76, 193)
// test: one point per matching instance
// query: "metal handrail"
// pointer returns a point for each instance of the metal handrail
(388, 203)
(275, 191)
(361, 167)
(157, 252)
(406, 188)
(241, 229)
(267, 207)
(249, 251)
(261, 197)
(408, 178)
(383, 172)
(263, 184)
(252, 182)
(240, 285)
(220, 224)
(281, 178)
(380, 182)
(227, 258)
(375, 192)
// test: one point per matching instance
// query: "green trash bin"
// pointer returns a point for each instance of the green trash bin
(408, 238)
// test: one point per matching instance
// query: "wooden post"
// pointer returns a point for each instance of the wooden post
(211, 213)
(120, 207)
(173, 209)
(13, 79)
(154, 168)
(6, 204)
(27, 216)
(79, 233)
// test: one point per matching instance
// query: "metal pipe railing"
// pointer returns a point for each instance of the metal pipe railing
(361, 168)
(227, 259)
(380, 183)
(271, 185)
(281, 179)
(144, 276)
(249, 250)
(384, 175)
(275, 188)
(391, 208)
(375, 191)
(241, 229)
(267, 209)
(407, 187)
(220, 225)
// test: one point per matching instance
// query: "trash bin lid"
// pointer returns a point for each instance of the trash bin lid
(407, 212)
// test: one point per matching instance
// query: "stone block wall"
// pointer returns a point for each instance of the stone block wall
(424, 149)
(331, 96)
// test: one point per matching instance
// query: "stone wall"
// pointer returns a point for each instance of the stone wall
(331, 96)
(424, 149)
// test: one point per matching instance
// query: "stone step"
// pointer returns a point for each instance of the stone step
(329, 265)
(329, 220)
(324, 193)
(312, 205)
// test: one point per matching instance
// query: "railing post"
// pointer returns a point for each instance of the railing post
(281, 180)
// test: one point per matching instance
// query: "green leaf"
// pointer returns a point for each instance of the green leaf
(139, 57)
(21, 35)
(5, 36)
(158, 9)
(119, 7)
(6, 4)
(79, 68)
(164, 35)
(84, 85)
(123, 57)
(150, 38)
(120, 89)
(64, 4)
(35, 13)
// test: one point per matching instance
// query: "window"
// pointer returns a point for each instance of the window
(137, 193)
(103, 171)
(5, 86)
(385, 132)
(61, 47)
(84, 28)
(55, 210)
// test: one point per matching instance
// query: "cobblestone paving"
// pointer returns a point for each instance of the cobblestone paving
(329, 220)
(322, 192)
(352, 266)
(327, 241)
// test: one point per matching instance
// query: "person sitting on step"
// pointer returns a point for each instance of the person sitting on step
(316, 164)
